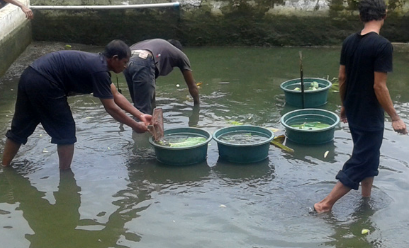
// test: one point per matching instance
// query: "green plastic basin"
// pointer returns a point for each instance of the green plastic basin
(243, 153)
(312, 98)
(306, 136)
(182, 155)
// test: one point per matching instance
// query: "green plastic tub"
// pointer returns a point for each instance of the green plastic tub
(243, 153)
(182, 155)
(312, 98)
(305, 135)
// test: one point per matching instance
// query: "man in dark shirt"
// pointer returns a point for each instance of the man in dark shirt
(366, 58)
(45, 85)
(151, 59)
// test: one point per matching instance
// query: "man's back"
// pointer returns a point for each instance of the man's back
(76, 72)
(363, 55)
(165, 54)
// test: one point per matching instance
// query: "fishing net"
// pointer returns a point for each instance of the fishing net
(157, 124)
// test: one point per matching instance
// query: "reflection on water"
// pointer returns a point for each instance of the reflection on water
(119, 195)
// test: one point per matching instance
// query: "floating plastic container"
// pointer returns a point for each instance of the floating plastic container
(312, 97)
(181, 156)
(299, 127)
(254, 150)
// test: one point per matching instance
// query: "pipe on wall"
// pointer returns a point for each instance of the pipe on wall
(134, 6)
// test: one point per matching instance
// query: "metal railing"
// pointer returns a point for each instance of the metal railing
(78, 7)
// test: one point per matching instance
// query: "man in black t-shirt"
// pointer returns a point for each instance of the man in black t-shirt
(45, 85)
(151, 59)
(366, 58)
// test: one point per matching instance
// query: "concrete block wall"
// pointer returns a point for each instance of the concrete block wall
(195, 23)
(215, 23)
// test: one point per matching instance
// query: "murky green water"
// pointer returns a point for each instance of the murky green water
(119, 196)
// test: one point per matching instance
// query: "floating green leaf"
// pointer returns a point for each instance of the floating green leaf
(278, 142)
(316, 125)
(235, 123)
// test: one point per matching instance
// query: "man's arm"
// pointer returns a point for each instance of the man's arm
(191, 84)
(383, 96)
(342, 88)
(124, 104)
(116, 112)
(25, 9)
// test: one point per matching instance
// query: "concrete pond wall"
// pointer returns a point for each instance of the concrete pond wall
(194, 23)
(215, 23)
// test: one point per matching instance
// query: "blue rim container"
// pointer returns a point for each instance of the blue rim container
(182, 155)
(310, 137)
(312, 98)
(243, 153)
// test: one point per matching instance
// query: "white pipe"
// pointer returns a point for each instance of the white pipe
(135, 6)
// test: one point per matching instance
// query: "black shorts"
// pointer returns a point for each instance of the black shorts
(41, 101)
(364, 161)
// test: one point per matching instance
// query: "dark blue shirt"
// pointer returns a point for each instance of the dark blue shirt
(76, 72)
(363, 55)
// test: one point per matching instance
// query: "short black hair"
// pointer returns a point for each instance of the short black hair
(176, 43)
(117, 47)
(372, 10)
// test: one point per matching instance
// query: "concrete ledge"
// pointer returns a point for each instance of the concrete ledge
(11, 17)
(15, 34)
(13, 44)
(400, 47)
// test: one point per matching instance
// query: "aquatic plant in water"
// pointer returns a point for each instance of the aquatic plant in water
(313, 86)
(187, 142)
(242, 138)
(315, 125)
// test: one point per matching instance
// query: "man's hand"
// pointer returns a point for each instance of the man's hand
(140, 127)
(28, 12)
(147, 119)
(399, 126)
(343, 116)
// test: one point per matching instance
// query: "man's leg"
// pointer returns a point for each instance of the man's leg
(328, 202)
(65, 155)
(140, 77)
(10, 150)
(366, 186)
(24, 120)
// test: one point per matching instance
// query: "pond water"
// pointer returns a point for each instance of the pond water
(118, 195)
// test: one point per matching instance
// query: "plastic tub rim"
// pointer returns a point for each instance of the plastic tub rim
(337, 120)
(269, 139)
(209, 138)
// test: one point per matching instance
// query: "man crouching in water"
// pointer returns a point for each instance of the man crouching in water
(45, 85)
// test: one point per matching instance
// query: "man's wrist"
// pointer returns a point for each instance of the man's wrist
(395, 118)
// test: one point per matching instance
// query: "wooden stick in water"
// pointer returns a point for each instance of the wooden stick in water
(302, 81)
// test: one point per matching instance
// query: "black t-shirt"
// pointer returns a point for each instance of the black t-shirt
(363, 55)
(76, 72)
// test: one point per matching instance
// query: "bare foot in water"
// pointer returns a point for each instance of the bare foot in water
(328, 202)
